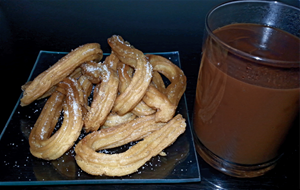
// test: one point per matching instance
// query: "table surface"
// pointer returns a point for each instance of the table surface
(26, 27)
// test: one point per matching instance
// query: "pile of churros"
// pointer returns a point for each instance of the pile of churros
(130, 102)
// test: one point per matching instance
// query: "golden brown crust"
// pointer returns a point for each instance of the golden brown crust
(158, 82)
(114, 119)
(112, 61)
(92, 71)
(176, 76)
(104, 98)
(42, 144)
(76, 73)
(130, 102)
(63, 68)
(141, 79)
(165, 109)
(127, 162)
(125, 75)
(124, 51)
(157, 101)
(87, 88)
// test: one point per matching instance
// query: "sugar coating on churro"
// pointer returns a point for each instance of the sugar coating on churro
(105, 105)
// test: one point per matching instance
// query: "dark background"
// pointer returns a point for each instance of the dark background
(28, 26)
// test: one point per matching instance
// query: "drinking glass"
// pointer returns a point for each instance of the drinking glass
(247, 93)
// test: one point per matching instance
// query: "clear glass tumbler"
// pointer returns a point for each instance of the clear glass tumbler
(248, 85)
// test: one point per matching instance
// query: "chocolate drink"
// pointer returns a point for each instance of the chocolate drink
(244, 107)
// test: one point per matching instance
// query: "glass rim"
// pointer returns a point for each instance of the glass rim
(266, 61)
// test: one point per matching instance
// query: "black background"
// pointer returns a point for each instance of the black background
(28, 26)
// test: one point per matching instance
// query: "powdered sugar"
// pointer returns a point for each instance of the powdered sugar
(91, 68)
(105, 73)
(88, 51)
(149, 69)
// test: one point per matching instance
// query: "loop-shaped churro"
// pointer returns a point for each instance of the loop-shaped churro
(60, 70)
(127, 162)
(124, 51)
(105, 94)
(75, 74)
(165, 109)
(125, 74)
(42, 144)
(130, 102)
(141, 79)
(175, 90)
(158, 82)
(153, 97)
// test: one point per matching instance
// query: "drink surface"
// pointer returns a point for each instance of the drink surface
(262, 41)
(246, 120)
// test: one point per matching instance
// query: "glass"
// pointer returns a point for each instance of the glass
(19, 167)
(248, 86)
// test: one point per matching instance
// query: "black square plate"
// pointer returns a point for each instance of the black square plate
(19, 167)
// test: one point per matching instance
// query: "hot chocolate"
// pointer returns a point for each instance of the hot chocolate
(244, 106)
